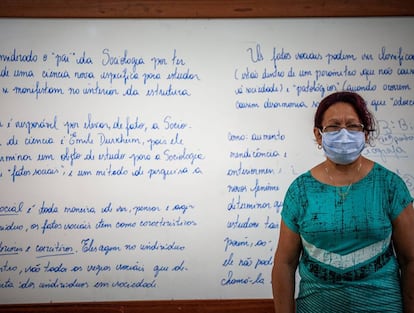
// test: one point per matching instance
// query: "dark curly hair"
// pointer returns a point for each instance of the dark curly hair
(359, 105)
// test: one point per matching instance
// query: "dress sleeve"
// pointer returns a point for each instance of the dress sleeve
(292, 206)
(400, 196)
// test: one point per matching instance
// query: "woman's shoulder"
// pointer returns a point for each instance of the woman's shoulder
(318, 173)
(304, 179)
(383, 172)
(307, 175)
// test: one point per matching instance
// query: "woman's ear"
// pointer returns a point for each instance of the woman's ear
(318, 136)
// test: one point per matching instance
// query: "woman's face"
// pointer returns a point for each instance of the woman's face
(339, 114)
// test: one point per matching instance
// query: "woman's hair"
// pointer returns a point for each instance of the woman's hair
(359, 105)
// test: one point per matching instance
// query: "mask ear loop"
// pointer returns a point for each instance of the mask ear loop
(319, 145)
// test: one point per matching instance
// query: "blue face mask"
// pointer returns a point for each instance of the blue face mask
(343, 147)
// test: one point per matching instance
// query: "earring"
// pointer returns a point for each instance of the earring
(319, 146)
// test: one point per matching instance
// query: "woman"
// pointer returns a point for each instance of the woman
(347, 224)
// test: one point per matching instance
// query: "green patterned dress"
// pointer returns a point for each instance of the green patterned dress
(347, 264)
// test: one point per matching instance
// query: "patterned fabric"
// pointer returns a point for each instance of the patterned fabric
(347, 264)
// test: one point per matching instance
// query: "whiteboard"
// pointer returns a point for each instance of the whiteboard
(148, 159)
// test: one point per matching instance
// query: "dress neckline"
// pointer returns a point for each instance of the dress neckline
(369, 173)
